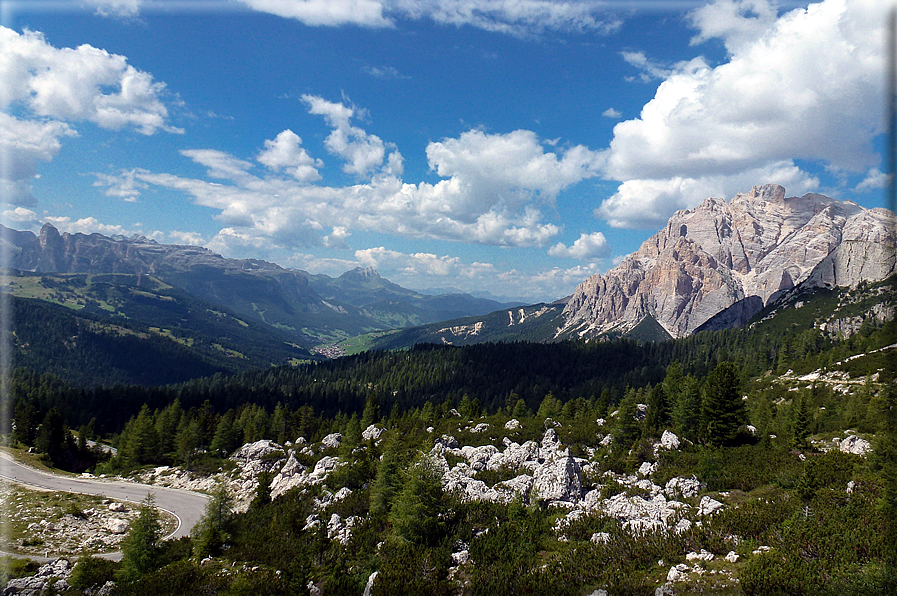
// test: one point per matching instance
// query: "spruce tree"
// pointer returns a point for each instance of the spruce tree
(722, 408)
(140, 548)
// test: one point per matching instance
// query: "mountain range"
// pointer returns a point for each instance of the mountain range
(712, 267)
(308, 309)
(715, 266)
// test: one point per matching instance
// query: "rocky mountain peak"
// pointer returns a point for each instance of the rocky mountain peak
(361, 274)
(745, 252)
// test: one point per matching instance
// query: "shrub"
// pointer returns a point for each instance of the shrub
(92, 571)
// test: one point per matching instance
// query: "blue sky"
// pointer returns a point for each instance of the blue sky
(508, 146)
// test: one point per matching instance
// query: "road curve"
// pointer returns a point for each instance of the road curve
(188, 507)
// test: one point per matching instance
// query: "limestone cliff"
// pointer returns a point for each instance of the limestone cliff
(743, 252)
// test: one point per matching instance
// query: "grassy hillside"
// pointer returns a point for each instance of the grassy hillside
(114, 328)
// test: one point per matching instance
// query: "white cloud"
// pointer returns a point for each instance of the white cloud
(48, 89)
(588, 247)
(361, 151)
(611, 113)
(125, 185)
(648, 203)
(84, 83)
(191, 238)
(384, 72)
(284, 152)
(23, 145)
(804, 86)
(365, 13)
(875, 178)
(19, 215)
(115, 8)
(649, 69)
(88, 225)
(739, 23)
(511, 168)
(492, 189)
(515, 17)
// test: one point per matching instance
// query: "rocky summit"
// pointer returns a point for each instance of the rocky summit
(725, 261)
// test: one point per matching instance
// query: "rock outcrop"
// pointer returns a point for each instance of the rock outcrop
(739, 254)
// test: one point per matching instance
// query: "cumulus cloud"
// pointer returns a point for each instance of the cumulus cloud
(492, 191)
(361, 151)
(49, 89)
(512, 167)
(648, 203)
(805, 85)
(192, 238)
(124, 186)
(84, 83)
(588, 247)
(89, 225)
(23, 145)
(514, 17)
(19, 216)
(284, 152)
(875, 178)
(611, 113)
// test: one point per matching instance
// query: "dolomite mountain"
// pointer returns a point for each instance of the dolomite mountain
(718, 264)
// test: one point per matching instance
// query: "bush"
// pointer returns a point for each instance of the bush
(92, 571)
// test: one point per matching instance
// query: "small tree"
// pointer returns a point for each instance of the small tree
(722, 408)
(800, 425)
(212, 531)
(140, 548)
(418, 509)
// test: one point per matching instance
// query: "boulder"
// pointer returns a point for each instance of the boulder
(669, 440)
(331, 441)
(117, 526)
(709, 506)
(681, 487)
(854, 444)
(512, 424)
(481, 428)
(255, 451)
(558, 478)
(372, 433)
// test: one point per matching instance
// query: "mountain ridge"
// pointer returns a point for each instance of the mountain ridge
(310, 308)
(719, 254)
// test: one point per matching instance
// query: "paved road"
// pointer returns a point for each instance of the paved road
(188, 507)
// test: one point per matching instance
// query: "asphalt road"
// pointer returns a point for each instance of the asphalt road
(188, 507)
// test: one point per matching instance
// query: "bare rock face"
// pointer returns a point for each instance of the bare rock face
(744, 252)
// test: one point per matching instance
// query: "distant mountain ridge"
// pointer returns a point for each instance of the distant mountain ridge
(712, 267)
(311, 309)
(738, 255)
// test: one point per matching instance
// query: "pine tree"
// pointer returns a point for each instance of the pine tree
(723, 410)
(213, 530)
(800, 425)
(371, 414)
(417, 512)
(140, 548)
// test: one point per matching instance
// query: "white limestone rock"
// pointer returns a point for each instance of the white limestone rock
(331, 441)
(117, 526)
(372, 433)
(558, 478)
(481, 428)
(681, 487)
(709, 506)
(512, 424)
(856, 445)
(669, 440)
(647, 469)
